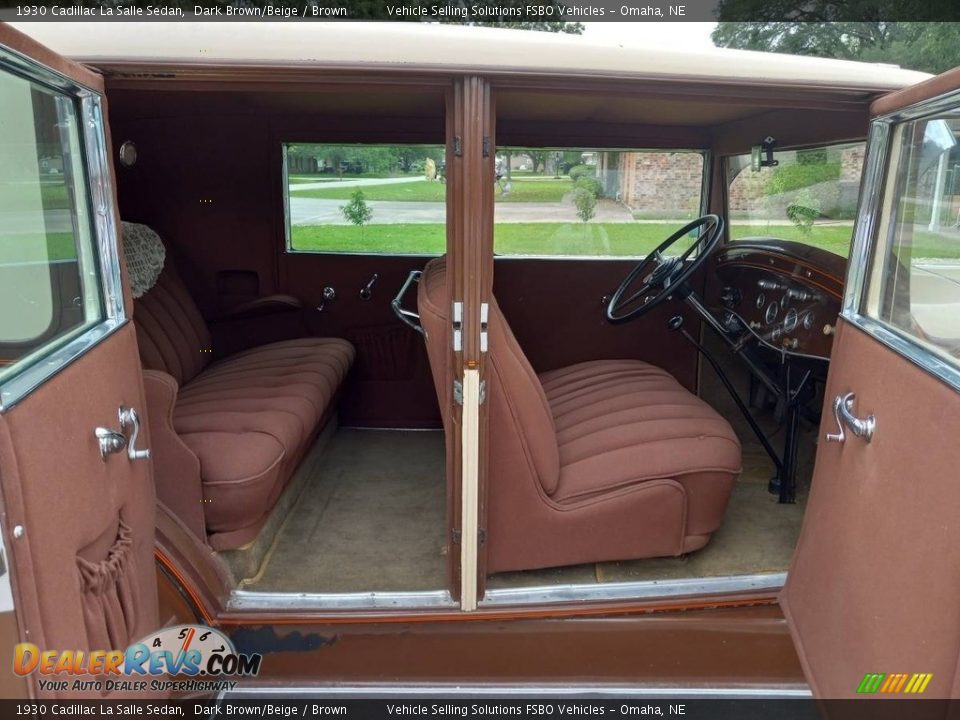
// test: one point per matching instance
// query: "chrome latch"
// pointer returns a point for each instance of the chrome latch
(484, 320)
(457, 326)
(110, 441)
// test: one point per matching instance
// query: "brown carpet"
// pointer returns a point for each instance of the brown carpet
(372, 518)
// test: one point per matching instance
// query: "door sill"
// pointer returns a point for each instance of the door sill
(641, 590)
(254, 601)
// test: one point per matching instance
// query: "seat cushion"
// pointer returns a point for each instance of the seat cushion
(621, 422)
(250, 417)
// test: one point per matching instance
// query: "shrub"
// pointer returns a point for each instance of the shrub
(586, 204)
(357, 211)
(788, 178)
(579, 171)
(804, 210)
(590, 184)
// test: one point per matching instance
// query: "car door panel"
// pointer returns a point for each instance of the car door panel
(390, 384)
(876, 560)
(78, 527)
(872, 588)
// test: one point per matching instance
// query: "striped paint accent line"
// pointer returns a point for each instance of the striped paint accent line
(871, 682)
(894, 683)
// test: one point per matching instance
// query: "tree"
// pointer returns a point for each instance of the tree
(586, 204)
(357, 211)
(820, 31)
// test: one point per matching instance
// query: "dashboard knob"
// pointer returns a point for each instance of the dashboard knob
(731, 296)
(828, 329)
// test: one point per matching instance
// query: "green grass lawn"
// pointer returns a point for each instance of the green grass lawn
(53, 195)
(34, 248)
(432, 191)
(333, 177)
(617, 239)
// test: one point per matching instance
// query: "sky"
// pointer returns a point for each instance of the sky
(674, 34)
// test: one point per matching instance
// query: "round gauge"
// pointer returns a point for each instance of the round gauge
(808, 320)
(785, 300)
(775, 335)
(771, 312)
(790, 320)
(761, 299)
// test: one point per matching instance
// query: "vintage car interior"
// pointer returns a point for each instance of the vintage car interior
(655, 367)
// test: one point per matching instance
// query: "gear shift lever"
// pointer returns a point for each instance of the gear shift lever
(676, 324)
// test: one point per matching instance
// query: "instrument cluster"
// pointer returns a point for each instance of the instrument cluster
(788, 307)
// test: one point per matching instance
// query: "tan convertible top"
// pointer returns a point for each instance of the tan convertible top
(431, 47)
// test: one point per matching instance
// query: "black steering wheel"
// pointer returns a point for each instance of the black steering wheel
(662, 275)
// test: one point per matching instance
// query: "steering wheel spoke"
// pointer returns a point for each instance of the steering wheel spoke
(667, 274)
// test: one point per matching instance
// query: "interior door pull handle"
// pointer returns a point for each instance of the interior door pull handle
(130, 420)
(844, 417)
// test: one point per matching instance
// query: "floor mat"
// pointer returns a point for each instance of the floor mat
(372, 518)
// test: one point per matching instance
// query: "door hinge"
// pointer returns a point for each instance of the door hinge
(481, 536)
(486, 146)
(457, 326)
(458, 391)
(457, 146)
(484, 320)
(455, 536)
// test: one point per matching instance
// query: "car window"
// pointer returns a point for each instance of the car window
(49, 287)
(914, 285)
(809, 196)
(388, 199)
(576, 202)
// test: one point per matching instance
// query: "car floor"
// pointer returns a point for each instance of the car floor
(372, 512)
(371, 517)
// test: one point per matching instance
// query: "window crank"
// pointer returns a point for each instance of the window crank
(329, 293)
(111, 441)
(366, 292)
(130, 420)
(844, 417)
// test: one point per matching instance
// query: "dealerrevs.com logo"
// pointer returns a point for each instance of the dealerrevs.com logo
(181, 658)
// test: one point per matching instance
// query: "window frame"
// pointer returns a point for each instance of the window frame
(288, 248)
(704, 208)
(879, 186)
(726, 180)
(53, 356)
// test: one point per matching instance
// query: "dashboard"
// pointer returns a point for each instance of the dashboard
(785, 295)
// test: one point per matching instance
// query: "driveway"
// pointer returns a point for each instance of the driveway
(314, 211)
(355, 182)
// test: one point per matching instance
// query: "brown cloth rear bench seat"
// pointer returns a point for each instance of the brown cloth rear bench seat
(248, 419)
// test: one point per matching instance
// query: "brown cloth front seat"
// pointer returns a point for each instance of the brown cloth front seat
(248, 418)
(604, 460)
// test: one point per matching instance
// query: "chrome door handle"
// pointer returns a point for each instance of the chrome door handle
(129, 420)
(843, 416)
(110, 441)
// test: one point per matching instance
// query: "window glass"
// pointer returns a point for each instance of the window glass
(600, 203)
(810, 196)
(366, 198)
(49, 289)
(915, 282)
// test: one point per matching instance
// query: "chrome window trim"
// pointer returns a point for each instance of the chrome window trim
(640, 590)
(252, 690)
(865, 240)
(256, 601)
(104, 230)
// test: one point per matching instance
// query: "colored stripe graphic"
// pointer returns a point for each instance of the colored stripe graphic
(893, 683)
